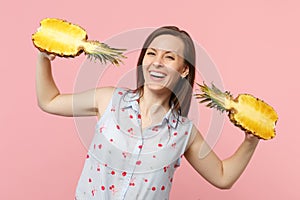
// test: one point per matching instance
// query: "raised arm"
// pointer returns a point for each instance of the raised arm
(88, 103)
(221, 173)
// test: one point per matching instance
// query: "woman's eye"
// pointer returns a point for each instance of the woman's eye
(150, 53)
(170, 57)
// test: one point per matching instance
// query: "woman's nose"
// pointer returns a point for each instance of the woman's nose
(158, 61)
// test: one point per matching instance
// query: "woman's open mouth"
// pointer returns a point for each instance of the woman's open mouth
(157, 75)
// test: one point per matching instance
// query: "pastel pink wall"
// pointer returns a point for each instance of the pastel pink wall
(254, 44)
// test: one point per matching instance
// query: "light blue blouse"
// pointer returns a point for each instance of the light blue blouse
(126, 162)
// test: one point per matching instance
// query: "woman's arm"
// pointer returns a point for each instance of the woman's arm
(221, 173)
(50, 99)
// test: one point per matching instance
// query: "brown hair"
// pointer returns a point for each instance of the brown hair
(182, 93)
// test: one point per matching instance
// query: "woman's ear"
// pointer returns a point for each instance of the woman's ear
(185, 71)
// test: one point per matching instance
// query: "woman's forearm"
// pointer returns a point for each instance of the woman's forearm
(46, 89)
(234, 166)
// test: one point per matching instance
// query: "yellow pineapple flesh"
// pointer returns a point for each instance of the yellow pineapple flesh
(245, 111)
(64, 39)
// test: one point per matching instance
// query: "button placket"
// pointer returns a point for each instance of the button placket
(133, 163)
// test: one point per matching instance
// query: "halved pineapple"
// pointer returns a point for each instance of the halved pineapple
(64, 39)
(245, 111)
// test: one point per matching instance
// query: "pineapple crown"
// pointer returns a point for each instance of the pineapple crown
(214, 96)
(104, 53)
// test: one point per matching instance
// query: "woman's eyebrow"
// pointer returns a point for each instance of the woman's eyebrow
(155, 49)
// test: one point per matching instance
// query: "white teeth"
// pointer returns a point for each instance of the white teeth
(157, 74)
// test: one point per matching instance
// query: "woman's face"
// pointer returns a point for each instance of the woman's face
(163, 63)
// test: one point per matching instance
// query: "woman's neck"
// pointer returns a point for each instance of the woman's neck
(151, 98)
(154, 106)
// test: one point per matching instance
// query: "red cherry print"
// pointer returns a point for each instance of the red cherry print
(174, 121)
(162, 187)
(140, 146)
(100, 146)
(87, 156)
(124, 173)
(113, 172)
(155, 129)
(175, 133)
(98, 169)
(138, 162)
(146, 180)
(118, 127)
(111, 140)
(112, 109)
(154, 156)
(165, 169)
(130, 130)
(102, 187)
(130, 116)
(111, 187)
(153, 188)
(101, 129)
(93, 192)
(159, 145)
(174, 145)
(124, 154)
(139, 116)
(90, 180)
(131, 184)
(186, 133)
(120, 93)
(171, 180)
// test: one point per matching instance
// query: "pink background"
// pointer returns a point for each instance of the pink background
(255, 45)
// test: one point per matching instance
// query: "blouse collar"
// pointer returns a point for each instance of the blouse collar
(131, 101)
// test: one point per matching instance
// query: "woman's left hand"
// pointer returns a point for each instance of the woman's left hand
(251, 138)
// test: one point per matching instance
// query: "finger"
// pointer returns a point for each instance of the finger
(51, 57)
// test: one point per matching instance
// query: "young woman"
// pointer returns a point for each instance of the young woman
(142, 134)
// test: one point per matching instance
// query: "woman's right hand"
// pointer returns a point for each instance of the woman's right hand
(50, 57)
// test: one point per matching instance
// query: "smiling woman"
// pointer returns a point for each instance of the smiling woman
(182, 49)
(142, 134)
(163, 66)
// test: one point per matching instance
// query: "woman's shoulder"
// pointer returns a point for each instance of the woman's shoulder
(108, 92)
(112, 95)
(104, 95)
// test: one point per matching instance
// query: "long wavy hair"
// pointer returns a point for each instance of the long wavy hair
(182, 92)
